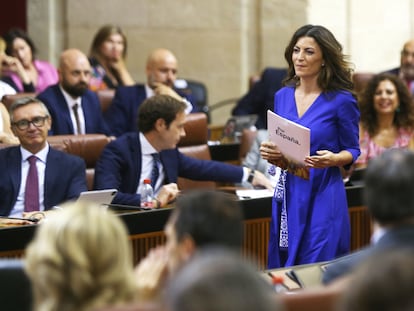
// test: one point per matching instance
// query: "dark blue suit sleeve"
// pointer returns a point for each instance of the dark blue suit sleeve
(120, 116)
(197, 169)
(65, 178)
(260, 97)
(94, 119)
(116, 170)
(77, 180)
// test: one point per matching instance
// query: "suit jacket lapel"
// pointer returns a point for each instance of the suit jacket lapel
(135, 148)
(51, 173)
(61, 101)
(15, 169)
(86, 114)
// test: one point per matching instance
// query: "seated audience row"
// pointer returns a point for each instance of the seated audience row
(25, 73)
(72, 105)
(106, 70)
(123, 165)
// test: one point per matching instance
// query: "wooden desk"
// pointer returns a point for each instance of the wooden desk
(146, 229)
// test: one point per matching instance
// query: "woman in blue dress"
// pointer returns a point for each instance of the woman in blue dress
(310, 221)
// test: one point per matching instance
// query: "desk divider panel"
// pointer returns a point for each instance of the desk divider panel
(255, 244)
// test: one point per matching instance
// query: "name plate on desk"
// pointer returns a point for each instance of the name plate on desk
(254, 193)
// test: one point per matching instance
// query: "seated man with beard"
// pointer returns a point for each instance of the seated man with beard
(73, 107)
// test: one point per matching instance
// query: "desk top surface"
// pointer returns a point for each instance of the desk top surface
(137, 222)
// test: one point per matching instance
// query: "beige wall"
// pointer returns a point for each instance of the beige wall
(222, 42)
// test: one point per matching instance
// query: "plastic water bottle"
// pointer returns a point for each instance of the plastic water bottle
(279, 284)
(147, 194)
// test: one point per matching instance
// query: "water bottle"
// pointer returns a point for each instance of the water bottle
(279, 284)
(147, 194)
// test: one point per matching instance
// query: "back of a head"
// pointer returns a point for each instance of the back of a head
(158, 107)
(209, 218)
(80, 258)
(382, 283)
(219, 280)
(388, 192)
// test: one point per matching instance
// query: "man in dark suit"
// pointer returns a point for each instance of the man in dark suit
(389, 196)
(73, 107)
(260, 97)
(60, 176)
(127, 161)
(161, 71)
(406, 69)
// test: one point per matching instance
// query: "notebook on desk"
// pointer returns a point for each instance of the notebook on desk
(102, 197)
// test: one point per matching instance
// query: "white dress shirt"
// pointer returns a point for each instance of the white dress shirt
(41, 156)
(71, 102)
(146, 164)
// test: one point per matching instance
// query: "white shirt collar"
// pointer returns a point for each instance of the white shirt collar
(69, 99)
(148, 91)
(41, 155)
(146, 147)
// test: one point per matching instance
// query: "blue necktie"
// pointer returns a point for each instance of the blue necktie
(155, 173)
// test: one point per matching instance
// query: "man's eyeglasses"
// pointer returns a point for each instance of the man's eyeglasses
(36, 121)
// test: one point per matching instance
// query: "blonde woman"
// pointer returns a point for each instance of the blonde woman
(6, 135)
(80, 259)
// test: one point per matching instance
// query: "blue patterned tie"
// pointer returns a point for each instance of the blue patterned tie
(155, 173)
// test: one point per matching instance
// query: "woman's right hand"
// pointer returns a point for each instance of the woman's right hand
(13, 64)
(270, 152)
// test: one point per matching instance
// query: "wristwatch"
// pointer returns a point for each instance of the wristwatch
(251, 176)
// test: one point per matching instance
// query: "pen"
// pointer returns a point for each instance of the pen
(34, 220)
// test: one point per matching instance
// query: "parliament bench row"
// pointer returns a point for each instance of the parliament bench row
(89, 147)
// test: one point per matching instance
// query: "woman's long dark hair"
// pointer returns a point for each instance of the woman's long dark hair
(337, 72)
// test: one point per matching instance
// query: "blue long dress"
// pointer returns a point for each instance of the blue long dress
(317, 210)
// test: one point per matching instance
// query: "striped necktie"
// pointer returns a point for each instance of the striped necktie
(155, 173)
(31, 194)
(77, 119)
